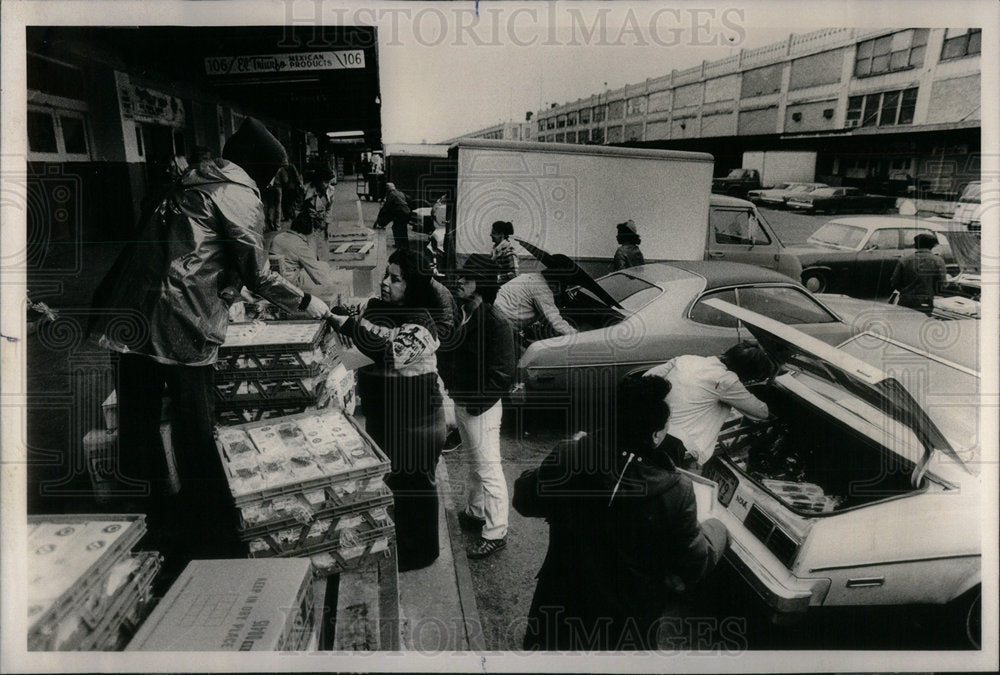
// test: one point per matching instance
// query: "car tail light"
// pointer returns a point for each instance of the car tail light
(773, 537)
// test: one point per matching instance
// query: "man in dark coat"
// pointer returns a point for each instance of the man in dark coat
(162, 307)
(478, 370)
(396, 210)
(623, 528)
(919, 274)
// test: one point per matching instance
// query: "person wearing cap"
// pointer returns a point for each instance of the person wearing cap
(162, 308)
(919, 274)
(624, 533)
(706, 389)
(478, 370)
(628, 253)
(298, 261)
(531, 297)
(395, 210)
(318, 203)
(503, 253)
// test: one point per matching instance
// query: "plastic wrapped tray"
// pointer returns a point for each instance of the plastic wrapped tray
(296, 454)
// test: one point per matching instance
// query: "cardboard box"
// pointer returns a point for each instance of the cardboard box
(233, 605)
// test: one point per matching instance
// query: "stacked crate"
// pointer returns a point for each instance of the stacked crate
(275, 368)
(309, 485)
(87, 590)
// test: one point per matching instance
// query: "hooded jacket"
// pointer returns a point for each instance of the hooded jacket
(614, 554)
(162, 296)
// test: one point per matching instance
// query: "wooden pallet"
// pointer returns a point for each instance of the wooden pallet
(351, 250)
(360, 608)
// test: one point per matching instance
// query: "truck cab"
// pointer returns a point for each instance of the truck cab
(737, 232)
(737, 183)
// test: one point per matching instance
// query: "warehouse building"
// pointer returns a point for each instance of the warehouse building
(887, 110)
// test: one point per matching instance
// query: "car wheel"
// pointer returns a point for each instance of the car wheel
(815, 281)
(968, 618)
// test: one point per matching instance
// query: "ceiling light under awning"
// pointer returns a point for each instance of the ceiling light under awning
(345, 134)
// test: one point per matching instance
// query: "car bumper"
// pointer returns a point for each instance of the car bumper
(788, 597)
(800, 205)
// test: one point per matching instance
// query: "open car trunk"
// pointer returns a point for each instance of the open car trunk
(811, 462)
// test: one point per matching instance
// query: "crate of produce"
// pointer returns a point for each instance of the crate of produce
(345, 538)
(271, 391)
(296, 454)
(73, 561)
(257, 412)
(131, 604)
(234, 605)
(272, 349)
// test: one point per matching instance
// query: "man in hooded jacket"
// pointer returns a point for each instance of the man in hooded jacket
(623, 528)
(162, 307)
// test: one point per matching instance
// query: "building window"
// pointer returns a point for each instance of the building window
(597, 136)
(585, 116)
(637, 106)
(616, 110)
(583, 136)
(614, 134)
(959, 42)
(890, 53)
(600, 112)
(541, 125)
(561, 122)
(550, 123)
(571, 119)
(885, 108)
(560, 137)
(58, 134)
(571, 137)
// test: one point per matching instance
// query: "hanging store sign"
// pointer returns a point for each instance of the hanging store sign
(284, 63)
(143, 104)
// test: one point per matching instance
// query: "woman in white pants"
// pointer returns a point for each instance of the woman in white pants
(477, 371)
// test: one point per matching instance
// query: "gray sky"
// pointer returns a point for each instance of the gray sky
(445, 71)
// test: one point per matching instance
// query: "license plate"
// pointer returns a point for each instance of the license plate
(727, 485)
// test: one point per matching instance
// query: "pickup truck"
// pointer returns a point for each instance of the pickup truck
(737, 183)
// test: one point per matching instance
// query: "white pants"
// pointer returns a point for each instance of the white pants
(487, 496)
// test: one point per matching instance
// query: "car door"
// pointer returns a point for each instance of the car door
(736, 235)
(876, 260)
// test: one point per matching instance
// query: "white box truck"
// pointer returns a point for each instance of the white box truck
(567, 199)
(782, 166)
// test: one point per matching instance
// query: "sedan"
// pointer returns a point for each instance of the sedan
(862, 489)
(662, 314)
(858, 254)
(838, 199)
(778, 196)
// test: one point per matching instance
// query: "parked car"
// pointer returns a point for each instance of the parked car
(663, 314)
(737, 183)
(840, 199)
(858, 254)
(852, 493)
(754, 195)
(969, 208)
(777, 197)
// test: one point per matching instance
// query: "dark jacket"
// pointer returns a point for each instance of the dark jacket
(627, 255)
(918, 276)
(162, 296)
(394, 209)
(612, 562)
(479, 369)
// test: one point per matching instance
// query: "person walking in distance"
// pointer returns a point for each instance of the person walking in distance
(628, 253)
(395, 210)
(919, 274)
(478, 370)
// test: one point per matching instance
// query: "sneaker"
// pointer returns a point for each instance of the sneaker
(470, 522)
(453, 442)
(485, 547)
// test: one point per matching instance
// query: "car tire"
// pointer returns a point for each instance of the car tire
(966, 617)
(815, 281)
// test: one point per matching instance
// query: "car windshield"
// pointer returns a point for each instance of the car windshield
(948, 394)
(838, 235)
(971, 194)
(631, 292)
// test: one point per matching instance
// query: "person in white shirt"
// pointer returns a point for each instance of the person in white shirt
(531, 296)
(706, 389)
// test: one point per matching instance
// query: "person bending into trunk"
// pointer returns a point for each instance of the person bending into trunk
(623, 529)
(706, 389)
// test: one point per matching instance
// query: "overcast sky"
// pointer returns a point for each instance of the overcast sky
(444, 70)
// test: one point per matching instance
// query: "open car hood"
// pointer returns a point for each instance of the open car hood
(967, 249)
(579, 277)
(800, 352)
